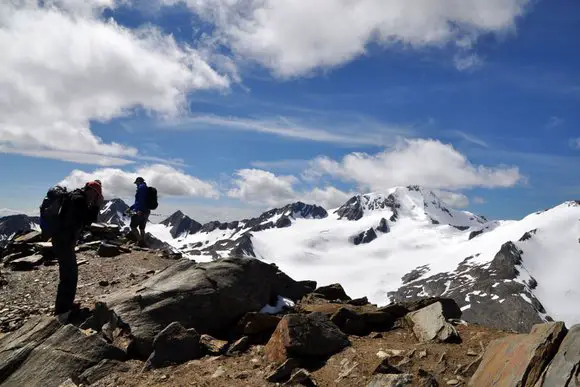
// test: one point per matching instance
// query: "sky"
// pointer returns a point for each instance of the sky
(231, 107)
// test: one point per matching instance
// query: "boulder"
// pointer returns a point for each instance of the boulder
(26, 263)
(430, 324)
(209, 297)
(254, 323)
(332, 292)
(519, 360)
(305, 336)
(383, 226)
(365, 237)
(391, 380)
(359, 301)
(213, 346)
(68, 352)
(564, 370)
(174, 345)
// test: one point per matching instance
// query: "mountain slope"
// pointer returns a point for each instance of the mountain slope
(9, 225)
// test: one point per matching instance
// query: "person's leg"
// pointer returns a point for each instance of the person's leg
(142, 225)
(134, 225)
(68, 275)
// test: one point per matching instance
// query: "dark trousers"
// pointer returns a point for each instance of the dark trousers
(64, 249)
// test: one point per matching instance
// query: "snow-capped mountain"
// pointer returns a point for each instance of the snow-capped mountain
(12, 224)
(113, 212)
(405, 244)
(181, 225)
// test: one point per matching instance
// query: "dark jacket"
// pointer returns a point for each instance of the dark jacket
(140, 198)
(75, 214)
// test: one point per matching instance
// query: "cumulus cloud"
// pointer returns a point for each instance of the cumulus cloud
(263, 188)
(63, 66)
(294, 37)
(168, 181)
(425, 162)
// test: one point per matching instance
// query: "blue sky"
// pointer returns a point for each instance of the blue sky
(229, 113)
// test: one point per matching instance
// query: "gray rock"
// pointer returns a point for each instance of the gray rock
(301, 377)
(99, 371)
(365, 237)
(66, 353)
(108, 250)
(284, 371)
(214, 295)
(181, 224)
(26, 263)
(175, 345)
(383, 226)
(391, 380)
(254, 323)
(430, 324)
(564, 370)
(239, 346)
(332, 293)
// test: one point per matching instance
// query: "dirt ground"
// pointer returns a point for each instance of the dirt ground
(353, 366)
(31, 293)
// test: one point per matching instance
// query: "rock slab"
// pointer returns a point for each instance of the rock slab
(519, 360)
(564, 370)
(304, 337)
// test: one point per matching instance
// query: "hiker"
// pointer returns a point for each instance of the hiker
(79, 208)
(140, 211)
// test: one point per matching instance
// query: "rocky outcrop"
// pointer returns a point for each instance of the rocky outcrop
(519, 360)
(181, 224)
(487, 293)
(564, 370)
(16, 224)
(45, 353)
(215, 295)
(365, 237)
(311, 336)
(113, 212)
(355, 207)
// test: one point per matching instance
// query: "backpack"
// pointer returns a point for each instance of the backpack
(50, 210)
(151, 201)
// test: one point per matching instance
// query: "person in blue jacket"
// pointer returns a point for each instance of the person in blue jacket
(140, 212)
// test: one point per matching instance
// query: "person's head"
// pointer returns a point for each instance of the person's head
(94, 193)
(139, 180)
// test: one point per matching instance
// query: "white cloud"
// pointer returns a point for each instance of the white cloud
(284, 127)
(263, 188)
(425, 162)
(168, 181)
(63, 66)
(453, 199)
(479, 200)
(575, 143)
(294, 37)
(467, 61)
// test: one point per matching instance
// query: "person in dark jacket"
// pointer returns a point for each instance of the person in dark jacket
(140, 212)
(79, 209)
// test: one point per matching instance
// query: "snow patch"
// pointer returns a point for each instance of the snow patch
(281, 304)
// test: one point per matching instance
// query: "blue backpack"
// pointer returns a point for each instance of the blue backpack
(50, 210)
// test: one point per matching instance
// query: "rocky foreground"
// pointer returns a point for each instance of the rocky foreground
(152, 320)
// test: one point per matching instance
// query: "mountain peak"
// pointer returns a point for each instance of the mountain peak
(181, 224)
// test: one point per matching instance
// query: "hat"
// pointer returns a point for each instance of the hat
(139, 180)
(95, 185)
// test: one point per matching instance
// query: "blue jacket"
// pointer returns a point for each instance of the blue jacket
(140, 198)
